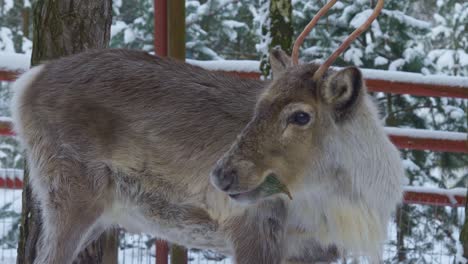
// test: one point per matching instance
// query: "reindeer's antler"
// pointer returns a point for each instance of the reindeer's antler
(307, 29)
(319, 73)
(323, 68)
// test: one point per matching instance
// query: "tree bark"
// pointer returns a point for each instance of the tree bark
(65, 27)
(62, 28)
(280, 29)
(464, 232)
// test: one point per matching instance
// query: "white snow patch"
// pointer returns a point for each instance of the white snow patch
(449, 193)
(234, 24)
(410, 165)
(27, 46)
(6, 119)
(228, 65)
(379, 60)
(399, 76)
(396, 64)
(117, 28)
(408, 20)
(116, 5)
(8, 147)
(441, 30)
(211, 53)
(8, 4)
(9, 173)
(129, 35)
(14, 61)
(312, 51)
(459, 256)
(360, 18)
(424, 133)
(230, 26)
(354, 55)
(6, 40)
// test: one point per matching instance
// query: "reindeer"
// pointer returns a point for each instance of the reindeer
(124, 138)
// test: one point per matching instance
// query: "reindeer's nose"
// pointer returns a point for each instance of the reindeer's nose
(224, 179)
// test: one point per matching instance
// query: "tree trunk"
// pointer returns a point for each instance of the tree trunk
(62, 28)
(464, 232)
(280, 29)
(402, 223)
(65, 27)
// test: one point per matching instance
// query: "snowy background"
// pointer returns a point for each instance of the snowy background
(424, 37)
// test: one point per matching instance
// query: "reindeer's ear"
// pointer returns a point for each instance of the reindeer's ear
(343, 89)
(279, 61)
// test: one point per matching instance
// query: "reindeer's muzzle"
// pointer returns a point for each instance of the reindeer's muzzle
(233, 177)
(243, 183)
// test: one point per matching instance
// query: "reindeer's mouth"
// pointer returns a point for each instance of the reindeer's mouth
(270, 186)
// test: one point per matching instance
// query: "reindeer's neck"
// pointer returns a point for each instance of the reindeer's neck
(369, 159)
(359, 179)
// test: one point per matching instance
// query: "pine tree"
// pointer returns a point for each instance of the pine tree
(448, 39)
(133, 24)
(221, 29)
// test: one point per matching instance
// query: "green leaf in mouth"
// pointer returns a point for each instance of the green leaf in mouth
(272, 185)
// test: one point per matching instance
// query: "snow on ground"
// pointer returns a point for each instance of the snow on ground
(459, 257)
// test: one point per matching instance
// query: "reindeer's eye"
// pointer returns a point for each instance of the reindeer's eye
(299, 118)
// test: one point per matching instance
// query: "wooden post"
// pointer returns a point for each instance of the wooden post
(178, 255)
(160, 47)
(160, 27)
(176, 49)
(176, 29)
(162, 251)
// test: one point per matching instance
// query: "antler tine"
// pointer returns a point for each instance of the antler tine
(323, 68)
(307, 29)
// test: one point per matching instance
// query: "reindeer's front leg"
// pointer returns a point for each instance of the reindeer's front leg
(258, 235)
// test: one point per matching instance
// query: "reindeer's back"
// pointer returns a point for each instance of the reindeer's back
(121, 104)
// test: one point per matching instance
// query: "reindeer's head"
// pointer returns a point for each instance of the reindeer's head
(301, 107)
(291, 118)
